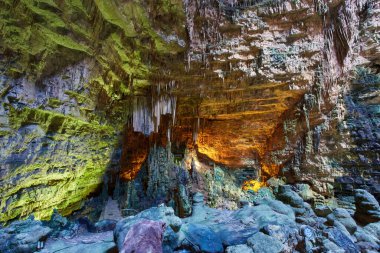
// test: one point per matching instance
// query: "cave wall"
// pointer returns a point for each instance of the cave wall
(267, 88)
(68, 69)
(211, 96)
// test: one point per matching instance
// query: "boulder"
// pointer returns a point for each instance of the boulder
(342, 240)
(305, 192)
(367, 207)
(308, 232)
(322, 210)
(342, 216)
(373, 228)
(279, 232)
(105, 225)
(366, 240)
(23, 236)
(144, 236)
(288, 196)
(331, 247)
(263, 243)
(200, 238)
(241, 248)
(161, 213)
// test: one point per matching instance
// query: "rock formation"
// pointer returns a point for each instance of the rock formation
(242, 125)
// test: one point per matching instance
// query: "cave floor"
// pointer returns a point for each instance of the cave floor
(83, 243)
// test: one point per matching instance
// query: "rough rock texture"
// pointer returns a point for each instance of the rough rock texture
(270, 88)
(144, 236)
(211, 96)
(367, 207)
(268, 226)
(264, 225)
(23, 236)
(67, 69)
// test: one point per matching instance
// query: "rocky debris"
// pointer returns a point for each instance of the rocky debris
(341, 216)
(104, 225)
(239, 249)
(329, 246)
(367, 207)
(144, 236)
(82, 243)
(56, 235)
(341, 240)
(23, 236)
(65, 228)
(264, 225)
(201, 238)
(367, 241)
(322, 210)
(305, 192)
(303, 210)
(264, 243)
(161, 213)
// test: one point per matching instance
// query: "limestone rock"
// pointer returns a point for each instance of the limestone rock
(342, 240)
(263, 243)
(288, 196)
(161, 213)
(343, 216)
(367, 241)
(23, 236)
(322, 210)
(239, 249)
(331, 247)
(144, 236)
(201, 238)
(105, 225)
(367, 207)
(373, 229)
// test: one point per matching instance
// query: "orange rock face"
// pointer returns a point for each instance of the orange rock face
(135, 152)
(253, 87)
(234, 132)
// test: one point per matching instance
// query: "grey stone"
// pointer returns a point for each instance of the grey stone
(322, 210)
(22, 236)
(367, 207)
(305, 192)
(367, 241)
(373, 228)
(201, 238)
(288, 196)
(343, 217)
(241, 248)
(260, 242)
(331, 247)
(342, 240)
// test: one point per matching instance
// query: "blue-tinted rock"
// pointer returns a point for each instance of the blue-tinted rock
(22, 236)
(263, 243)
(367, 207)
(241, 248)
(342, 240)
(201, 238)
